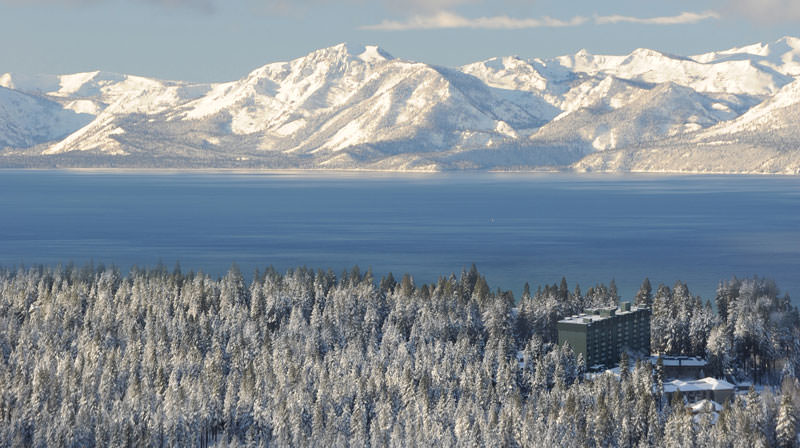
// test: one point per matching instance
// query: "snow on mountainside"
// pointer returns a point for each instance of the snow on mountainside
(765, 139)
(358, 107)
(87, 100)
(142, 97)
(27, 120)
(782, 56)
(778, 114)
(320, 80)
(337, 98)
(92, 92)
(666, 110)
(726, 76)
(330, 100)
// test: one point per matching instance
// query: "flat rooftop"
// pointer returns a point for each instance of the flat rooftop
(597, 315)
(581, 318)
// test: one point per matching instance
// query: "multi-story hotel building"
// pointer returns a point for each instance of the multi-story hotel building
(602, 334)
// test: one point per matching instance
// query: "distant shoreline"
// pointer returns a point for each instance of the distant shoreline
(302, 171)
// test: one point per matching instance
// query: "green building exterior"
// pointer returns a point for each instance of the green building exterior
(602, 334)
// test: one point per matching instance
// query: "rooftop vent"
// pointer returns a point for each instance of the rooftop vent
(608, 312)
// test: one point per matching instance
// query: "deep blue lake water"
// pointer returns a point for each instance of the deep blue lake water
(514, 227)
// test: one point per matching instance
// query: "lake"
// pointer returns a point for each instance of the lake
(516, 228)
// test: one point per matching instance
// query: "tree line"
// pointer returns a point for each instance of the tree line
(160, 357)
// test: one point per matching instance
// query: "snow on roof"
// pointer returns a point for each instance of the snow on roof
(705, 406)
(581, 318)
(591, 317)
(697, 385)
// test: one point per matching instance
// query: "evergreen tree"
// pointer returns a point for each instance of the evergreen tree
(786, 426)
(612, 293)
(678, 430)
(624, 366)
(644, 297)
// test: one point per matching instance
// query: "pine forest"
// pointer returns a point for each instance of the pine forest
(92, 356)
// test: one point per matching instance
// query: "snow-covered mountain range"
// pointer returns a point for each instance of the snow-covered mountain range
(356, 107)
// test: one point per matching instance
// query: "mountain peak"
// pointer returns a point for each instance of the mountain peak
(371, 54)
(790, 41)
(655, 54)
(351, 106)
(646, 52)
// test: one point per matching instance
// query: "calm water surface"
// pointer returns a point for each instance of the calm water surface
(514, 227)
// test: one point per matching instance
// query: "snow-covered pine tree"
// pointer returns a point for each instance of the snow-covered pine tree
(644, 297)
(786, 426)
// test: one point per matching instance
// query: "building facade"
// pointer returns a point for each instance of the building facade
(603, 334)
(681, 367)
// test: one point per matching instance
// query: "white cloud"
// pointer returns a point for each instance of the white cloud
(444, 20)
(448, 20)
(680, 19)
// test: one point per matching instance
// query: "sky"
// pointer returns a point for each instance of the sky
(223, 40)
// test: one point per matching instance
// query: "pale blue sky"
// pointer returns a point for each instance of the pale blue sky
(217, 40)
